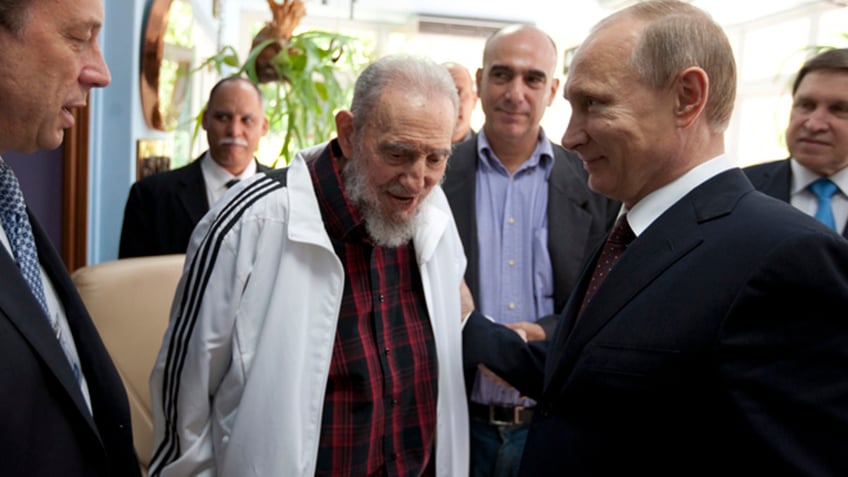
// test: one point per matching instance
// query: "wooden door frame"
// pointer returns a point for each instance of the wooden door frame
(75, 192)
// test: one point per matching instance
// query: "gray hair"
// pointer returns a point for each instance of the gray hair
(410, 74)
(678, 36)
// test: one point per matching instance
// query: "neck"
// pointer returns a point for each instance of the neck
(513, 153)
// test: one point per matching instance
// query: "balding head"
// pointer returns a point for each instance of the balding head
(467, 99)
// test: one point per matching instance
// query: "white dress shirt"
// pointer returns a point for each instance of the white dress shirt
(216, 177)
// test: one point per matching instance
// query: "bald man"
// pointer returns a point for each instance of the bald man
(467, 100)
(527, 220)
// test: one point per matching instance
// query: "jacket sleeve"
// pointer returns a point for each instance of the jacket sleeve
(504, 352)
(194, 385)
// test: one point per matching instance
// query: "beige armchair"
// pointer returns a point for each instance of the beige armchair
(130, 302)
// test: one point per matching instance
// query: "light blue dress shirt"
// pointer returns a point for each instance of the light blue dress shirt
(516, 275)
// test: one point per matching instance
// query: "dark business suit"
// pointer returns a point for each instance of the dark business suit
(711, 349)
(45, 428)
(775, 179)
(162, 211)
(577, 218)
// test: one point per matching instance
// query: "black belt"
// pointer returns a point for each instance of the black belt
(501, 414)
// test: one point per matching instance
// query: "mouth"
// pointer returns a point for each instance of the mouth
(232, 142)
(67, 116)
(813, 142)
(589, 160)
(403, 203)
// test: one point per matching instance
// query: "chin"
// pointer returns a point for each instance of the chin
(47, 144)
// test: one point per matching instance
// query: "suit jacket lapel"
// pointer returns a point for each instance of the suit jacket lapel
(568, 224)
(460, 188)
(674, 234)
(21, 307)
(192, 191)
(777, 182)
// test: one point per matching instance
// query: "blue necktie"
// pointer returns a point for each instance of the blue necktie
(19, 232)
(824, 189)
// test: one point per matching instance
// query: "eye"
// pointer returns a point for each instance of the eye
(536, 80)
(222, 117)
(840, 110)
(804, 105)
(436, 159)
(590, 102)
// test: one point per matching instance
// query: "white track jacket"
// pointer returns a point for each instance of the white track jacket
(238, 385)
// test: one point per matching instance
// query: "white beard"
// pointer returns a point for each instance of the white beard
(384, 231)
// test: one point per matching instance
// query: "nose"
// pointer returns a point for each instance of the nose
(95, 73)
(817, 120)
(514, 90)
(574, 135)
(415, 178)
(234, 127)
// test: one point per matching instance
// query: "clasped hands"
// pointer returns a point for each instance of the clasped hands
(525, 329)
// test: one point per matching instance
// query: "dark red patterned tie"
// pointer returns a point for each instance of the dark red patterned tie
(616, 244)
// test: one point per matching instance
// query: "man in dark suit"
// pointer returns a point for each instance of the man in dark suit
(163, 209)
(64, 409)
(712, 346)
(527, 221)
(817, 138)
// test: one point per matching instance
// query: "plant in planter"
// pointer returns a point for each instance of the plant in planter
(304, 78)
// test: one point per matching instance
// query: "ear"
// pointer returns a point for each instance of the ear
(478, 77)
(264, 125)
(204, 120)
(344, 132)
(692, 89)
(554, 89)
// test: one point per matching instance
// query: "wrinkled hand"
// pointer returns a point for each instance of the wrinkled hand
(466, 300)
(528, 331)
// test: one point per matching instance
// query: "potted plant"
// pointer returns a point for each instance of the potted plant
(305, 78)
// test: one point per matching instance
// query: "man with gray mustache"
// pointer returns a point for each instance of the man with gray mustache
(163, 209)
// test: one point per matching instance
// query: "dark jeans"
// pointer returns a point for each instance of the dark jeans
(496, 450)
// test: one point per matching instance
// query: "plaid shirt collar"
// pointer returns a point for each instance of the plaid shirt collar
(341, 218)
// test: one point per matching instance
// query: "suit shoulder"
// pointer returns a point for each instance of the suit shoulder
(168, 178)
(756, 169)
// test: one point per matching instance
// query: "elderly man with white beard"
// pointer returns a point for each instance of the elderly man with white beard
(315, 330)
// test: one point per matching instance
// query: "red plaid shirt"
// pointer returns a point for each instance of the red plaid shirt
(380, 406)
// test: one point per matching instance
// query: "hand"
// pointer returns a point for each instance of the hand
(466, 300)
(528, 330)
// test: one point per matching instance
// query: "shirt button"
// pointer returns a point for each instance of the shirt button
(511, 220)
(511, 263)
(381, 298)
(511, 306)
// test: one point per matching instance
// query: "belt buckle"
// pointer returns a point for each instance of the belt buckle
(516, 419)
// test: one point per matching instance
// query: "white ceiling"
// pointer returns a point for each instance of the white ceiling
(567, 20)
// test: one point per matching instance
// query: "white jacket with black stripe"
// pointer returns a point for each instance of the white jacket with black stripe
(238, 386)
